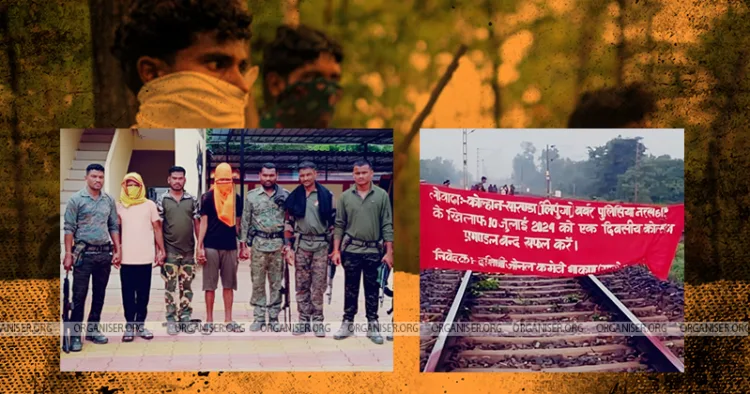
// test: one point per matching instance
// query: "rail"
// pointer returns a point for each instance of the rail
(661, 358)
(445, 340)
(657, 355)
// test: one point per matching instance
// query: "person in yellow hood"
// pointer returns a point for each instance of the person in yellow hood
(142, 246)
(221, 212)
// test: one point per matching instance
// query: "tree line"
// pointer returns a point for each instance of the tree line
(620, 170)
(219, 146)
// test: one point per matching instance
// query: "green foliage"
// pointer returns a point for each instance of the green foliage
(234, 147)
(571, 299)
(218, 146)
(609, 174)
(487, 284)
(659, 179)
(437, 170)
(677, 272)
(611, 161)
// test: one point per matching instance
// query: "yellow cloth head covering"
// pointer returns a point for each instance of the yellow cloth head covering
(132, 195)
(224, 194)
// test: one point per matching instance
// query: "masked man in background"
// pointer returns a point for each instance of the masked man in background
(301, 72)
(614, 108)
(188, 62)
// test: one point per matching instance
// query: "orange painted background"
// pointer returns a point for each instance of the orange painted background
(695, 55)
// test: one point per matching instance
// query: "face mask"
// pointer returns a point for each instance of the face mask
(303, 104)
(224, 188)
(133, 191)
(192, 99)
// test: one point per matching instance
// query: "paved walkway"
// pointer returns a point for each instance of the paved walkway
(247, 351)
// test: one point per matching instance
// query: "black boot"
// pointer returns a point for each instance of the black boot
(75, 343)
(346, 330)
(274, 324)
(373, 332)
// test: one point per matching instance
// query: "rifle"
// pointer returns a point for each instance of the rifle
(285, 293)
(280, 200)
(66, 315)
(385, 271)
(331, 274)
(331, 271)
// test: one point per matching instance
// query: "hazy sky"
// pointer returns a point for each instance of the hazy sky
(498, 147)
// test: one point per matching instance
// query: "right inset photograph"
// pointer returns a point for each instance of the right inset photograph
(552, 250)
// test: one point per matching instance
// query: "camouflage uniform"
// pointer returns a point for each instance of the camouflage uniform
(311, 269)
(310, 261)
(261, 213)
(178, 271)
(92, 221)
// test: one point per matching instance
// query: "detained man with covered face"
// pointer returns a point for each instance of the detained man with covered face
(142, 246)
(188, 63)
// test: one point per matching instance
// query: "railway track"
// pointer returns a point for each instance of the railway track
(631, 295)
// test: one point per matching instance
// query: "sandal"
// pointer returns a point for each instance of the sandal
(234, 327)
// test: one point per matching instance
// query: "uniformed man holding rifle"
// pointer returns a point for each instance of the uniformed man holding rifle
(262, 240)
(311, 217)
(363, 240)
(92, 247)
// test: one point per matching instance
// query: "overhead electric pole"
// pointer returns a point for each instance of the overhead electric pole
(635, 198)
(466, 158)
(478, 172)
(466, 162)
(546, 174)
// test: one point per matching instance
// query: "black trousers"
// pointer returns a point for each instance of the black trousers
(136, 285)
(95, 267)
(356, 266)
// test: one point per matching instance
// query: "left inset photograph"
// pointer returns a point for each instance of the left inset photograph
(226, 250)
(117, 187)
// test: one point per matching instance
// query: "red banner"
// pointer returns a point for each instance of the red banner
(526, 235)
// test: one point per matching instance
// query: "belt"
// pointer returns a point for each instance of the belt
(261, 234)
(98, 248)
(313, 237)
(363, 243)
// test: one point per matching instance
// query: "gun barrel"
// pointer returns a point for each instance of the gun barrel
(384, 273)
